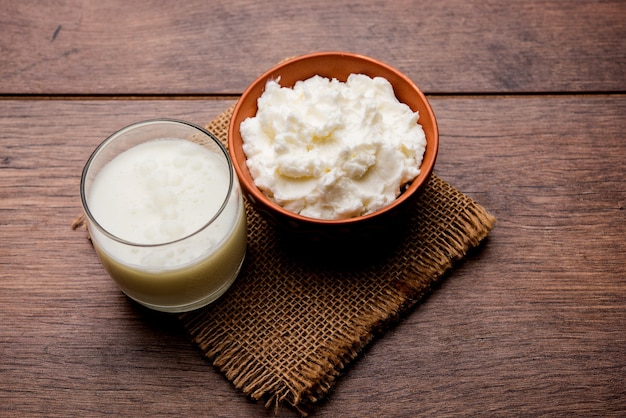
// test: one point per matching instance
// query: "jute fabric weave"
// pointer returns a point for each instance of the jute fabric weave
(291, 323)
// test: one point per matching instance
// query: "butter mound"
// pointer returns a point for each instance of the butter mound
(327, 149)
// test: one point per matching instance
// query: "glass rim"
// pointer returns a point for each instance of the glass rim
(135, 125)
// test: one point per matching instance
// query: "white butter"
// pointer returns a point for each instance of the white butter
(332, 150)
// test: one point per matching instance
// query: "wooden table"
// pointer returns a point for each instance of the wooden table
(530, 99)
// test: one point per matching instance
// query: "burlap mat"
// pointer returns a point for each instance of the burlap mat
(290, 325)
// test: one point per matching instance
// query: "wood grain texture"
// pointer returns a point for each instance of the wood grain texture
(530, 324)
(199, 47)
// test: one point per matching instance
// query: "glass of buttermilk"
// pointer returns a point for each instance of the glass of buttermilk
(165, 214)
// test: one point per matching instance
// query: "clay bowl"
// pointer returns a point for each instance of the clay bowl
(337, 65)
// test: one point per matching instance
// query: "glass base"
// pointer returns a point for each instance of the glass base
(197, 304)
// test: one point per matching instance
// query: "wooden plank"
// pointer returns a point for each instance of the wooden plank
(531, 323)
(198, 47)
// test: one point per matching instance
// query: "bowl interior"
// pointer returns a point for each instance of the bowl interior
(340, 66)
